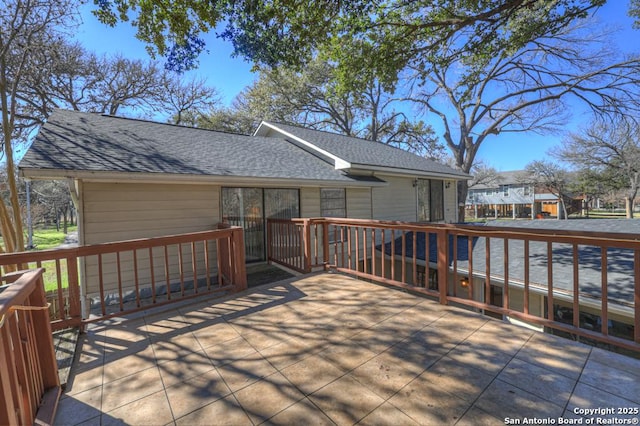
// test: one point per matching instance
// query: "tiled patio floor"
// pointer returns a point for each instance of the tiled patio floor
(328, 349)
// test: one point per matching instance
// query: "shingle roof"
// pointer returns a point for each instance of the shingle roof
(367, 153)
(76, 141)
(512, 177)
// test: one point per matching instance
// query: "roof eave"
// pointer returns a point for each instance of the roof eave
(147, 177)
(409, 172)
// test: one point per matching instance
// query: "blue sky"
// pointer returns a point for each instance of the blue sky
(230, 75)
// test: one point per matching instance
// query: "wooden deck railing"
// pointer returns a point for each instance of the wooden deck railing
(584, 284)
(127, 276)
(29, 384)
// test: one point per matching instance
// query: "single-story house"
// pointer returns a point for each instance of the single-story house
(138, 179)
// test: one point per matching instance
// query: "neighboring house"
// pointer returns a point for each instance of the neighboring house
(136, 179)
(508, 196)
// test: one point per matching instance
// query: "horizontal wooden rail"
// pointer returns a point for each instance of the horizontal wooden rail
(29, 383)
(127, 276)
(585, 284)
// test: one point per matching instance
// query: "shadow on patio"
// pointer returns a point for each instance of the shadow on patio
(329, 349)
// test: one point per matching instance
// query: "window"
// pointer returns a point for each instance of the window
(505, 190)
(527, 190)
(430, 194)
(333, 202)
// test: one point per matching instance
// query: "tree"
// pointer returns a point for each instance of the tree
(310, 98)
(525, 90)
(551, 177)
(390, 34)
(611, 149)
(26, 27)
(186, 98)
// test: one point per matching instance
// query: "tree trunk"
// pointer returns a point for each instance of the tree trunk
(628, 204)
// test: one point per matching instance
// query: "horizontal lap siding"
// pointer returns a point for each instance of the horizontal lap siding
(450, 205)
(116, 212)
(359, 203)
(397, 201)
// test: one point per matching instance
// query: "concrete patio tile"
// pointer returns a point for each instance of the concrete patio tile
(498, 334)
(312, 373)
(476, 417)
(560, 355)
(376, 341)
(460, 380)
(544, 383)
(346, 401)
(617, 361)
(428, 405)
(346, 355)
(127, 332)
(503, 400)
(196, 392)
(303, 412)
(387, 373)
(485, 358)
(131, 388)
(150, 410)
(264, 338)
(165, 324)
(232, 350)
(267, 397)
(618, 382)
(82, 380)
(387, 414)
(288, 352)
(243, 372)
(226, 408)
(137, 358)
(182, 369)
(176, 347)
(585, 396)
(214, 334)
(80, 407)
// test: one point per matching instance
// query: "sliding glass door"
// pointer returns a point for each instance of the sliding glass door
(250, 207)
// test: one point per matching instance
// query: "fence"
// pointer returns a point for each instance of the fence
(584, 284)
(128, 276)
(29, 384)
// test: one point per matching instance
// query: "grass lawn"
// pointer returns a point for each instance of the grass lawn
(45, 239)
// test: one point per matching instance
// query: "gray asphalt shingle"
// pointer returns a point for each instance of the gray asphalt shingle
(93, 142)
(367, 153)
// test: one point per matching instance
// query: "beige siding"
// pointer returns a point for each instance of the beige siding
(115, 212)
(450, 205)
(397, 201)
(310, 202)
(359, 203)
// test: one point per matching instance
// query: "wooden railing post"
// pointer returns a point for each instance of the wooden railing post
(306, 241)
(237, 251)
(74, 291)
(443, 266)
(325, 244)
(224, 263)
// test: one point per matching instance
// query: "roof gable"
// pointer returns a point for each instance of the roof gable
(355, 153)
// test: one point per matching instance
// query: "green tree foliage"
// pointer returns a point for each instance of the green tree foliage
(611, 149)
(387, 35)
